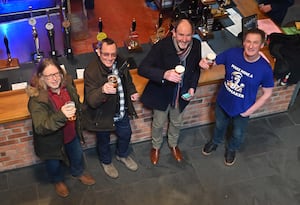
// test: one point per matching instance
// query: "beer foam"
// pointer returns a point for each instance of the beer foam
(179, 69)
(211, 56)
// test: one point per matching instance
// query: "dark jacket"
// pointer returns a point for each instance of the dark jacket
(285, 49)
(279, 9)
(48, 123)
(159, 93)
(99, 108)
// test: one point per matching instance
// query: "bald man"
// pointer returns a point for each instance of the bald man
(166, 87)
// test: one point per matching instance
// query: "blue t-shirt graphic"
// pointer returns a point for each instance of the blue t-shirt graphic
(242, 80)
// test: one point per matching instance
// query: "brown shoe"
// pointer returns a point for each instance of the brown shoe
(176, 153)
(154, 155)
(61, 189)
(86, 179)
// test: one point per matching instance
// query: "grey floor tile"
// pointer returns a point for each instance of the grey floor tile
(260, 137)
(191, 138)
(280, 120)
(26, 195)
(271, 190)
(289, 135)
(294, 111)
(165, 190)
(3, 181)
(297, 197)
(166, 166)
(213, 173)
(267, 164)
(27, 176)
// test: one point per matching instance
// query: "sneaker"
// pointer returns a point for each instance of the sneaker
(229, 158)
(110, 170)
(86, 179)
(129, 163)
(208, 148)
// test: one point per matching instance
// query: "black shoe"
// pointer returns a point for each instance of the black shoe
(229, 158)
(208, 148)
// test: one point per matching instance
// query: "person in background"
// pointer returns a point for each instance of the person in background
(108, 105)
(169, 92)
(245, 72)
(57, 135)
(275, 9)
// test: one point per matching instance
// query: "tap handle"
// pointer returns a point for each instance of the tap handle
(6, 45)
(133, 25)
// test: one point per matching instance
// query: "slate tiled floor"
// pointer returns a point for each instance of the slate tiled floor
(267, 172)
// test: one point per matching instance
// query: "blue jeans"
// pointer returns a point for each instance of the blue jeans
(55, 167)
(222, 121)
(123, 132)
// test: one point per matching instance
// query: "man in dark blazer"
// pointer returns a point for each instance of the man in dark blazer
(169, 92)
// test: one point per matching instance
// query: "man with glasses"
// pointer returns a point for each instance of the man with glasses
(56, 126)
(108, 105)
(169, 92)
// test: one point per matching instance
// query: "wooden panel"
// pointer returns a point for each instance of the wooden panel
(249, 7)
(13, 106)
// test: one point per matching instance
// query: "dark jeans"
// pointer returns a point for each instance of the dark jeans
(55, 168)
(222, 121)
(123, 132)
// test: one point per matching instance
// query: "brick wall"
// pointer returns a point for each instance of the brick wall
(16, 149)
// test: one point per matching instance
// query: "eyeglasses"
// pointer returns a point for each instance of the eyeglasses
(51, 76)
(106, 55)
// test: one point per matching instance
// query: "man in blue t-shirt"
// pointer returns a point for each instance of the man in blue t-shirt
(245, 71)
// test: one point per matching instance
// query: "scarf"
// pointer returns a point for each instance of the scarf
(182, 54)
(121, 113)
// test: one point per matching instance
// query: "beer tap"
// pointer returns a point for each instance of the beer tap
(132, 42)
(100, 25)
(133, 25)
(37, 56)
(101, 35)
(51, 36)
(160, 20)
(159, 30)
(9, 59)
(67, 34)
